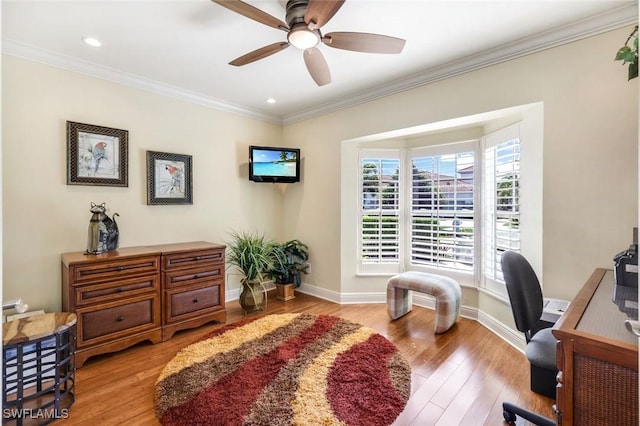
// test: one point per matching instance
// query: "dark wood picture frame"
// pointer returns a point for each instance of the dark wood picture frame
(96, 155)
(169, 178)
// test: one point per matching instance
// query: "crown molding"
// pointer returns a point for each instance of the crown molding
(48, 57)
(597, 24)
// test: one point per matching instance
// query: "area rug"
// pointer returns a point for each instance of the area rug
(289, 369)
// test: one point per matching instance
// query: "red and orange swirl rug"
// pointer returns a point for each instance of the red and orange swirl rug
(289, 369)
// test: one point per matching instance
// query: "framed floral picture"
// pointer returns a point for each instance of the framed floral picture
(169, 178)
(96, 155)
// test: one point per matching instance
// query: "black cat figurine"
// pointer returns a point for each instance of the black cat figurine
(103, 231)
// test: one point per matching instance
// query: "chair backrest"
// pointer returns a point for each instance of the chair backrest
(524, 291)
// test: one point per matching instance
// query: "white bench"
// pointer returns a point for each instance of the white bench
(446, 291)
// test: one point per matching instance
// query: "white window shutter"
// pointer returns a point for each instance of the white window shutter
(501, 202)
(442, 209)
(380, 222)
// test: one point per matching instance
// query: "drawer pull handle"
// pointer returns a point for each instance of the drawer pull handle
(196, 276)
(120, 290)
(198, 258)
(120, 318)
(120, 268)
(195, 300)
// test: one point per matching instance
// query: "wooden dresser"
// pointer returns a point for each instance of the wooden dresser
(597, 359)
(133, 294)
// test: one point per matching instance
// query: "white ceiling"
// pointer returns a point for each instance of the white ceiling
(182, 48)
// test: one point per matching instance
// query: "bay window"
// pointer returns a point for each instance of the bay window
(450, 209)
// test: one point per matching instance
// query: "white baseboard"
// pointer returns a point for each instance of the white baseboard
(427, 301)
(234, 294)
(503, 331)
(419, 299)
(331, 296)
(512, 337)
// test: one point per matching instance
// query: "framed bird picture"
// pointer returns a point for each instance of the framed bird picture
(96, 155)
(169, 178)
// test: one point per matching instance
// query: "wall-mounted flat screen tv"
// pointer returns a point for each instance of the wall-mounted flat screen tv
(274, 164)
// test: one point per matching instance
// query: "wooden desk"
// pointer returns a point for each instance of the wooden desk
(597, 359)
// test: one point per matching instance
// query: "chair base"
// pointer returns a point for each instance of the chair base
(543, 381)
(510, 411)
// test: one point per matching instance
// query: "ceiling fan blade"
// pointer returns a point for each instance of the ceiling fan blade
(254, 13)
(364, 42)
(263, 52)
(320, 11)
(317, 66)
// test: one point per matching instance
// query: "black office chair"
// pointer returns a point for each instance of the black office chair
(526, 300)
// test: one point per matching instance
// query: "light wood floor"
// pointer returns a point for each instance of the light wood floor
(458, 378)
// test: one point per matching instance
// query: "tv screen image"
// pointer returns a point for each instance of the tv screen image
(273, 164)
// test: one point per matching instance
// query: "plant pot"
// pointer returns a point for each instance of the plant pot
(285, 291)
(252, 297)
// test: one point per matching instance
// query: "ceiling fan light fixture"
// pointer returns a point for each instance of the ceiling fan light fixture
(302, 37)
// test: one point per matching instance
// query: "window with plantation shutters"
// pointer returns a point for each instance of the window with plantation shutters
(450, 209)
(380, 211)
(501, 200)
(442, 213)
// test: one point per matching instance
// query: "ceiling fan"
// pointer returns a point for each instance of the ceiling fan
(304, 20)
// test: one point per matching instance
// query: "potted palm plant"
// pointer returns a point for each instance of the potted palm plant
(289, 261)
(253, 254)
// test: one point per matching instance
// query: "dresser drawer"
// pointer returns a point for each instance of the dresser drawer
(188, 277)
(193, 259)
(115, 290)
(114, 320)
(100, 271)
(133, 294)
(196, 301)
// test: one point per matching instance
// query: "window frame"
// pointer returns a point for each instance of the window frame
(492, 140)
(405, 153)
(386, 268)
(464, 277)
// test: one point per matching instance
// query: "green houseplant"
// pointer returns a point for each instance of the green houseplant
(289, 261)
(253, 254)
(628, 54)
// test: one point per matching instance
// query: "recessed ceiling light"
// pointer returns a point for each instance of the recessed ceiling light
(92, 41)
(271, 101)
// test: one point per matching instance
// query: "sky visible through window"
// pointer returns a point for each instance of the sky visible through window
(442, 164)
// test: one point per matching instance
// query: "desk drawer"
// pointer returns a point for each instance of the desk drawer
(123, 268)
(192, 302)
(193, 259)
(183, 278)
(118, 319)
(116, 290)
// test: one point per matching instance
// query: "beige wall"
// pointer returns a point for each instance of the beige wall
(44, 217)
(590, 172)
(590, 167)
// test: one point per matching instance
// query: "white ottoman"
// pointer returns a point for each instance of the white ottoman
(446, 291)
